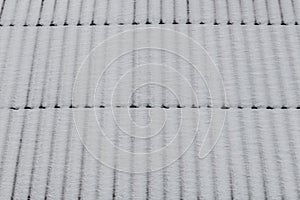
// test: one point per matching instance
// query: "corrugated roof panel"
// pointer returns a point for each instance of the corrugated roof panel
(149, 99)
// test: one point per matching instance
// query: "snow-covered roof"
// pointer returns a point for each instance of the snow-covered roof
(149, 99)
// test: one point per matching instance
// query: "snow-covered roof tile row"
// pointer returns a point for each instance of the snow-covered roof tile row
(256, 157)
(258, 66)
(84, 12)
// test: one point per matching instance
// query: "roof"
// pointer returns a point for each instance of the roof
(149, 99)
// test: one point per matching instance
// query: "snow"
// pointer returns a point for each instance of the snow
(124, 99)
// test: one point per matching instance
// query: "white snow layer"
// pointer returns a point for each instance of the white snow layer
(256, 157)
(94, 107)
(83, 12)
(255, 65)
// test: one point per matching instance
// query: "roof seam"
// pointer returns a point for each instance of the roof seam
(149, 23)
(161, 106)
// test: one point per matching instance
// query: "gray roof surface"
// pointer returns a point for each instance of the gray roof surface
(175, 99)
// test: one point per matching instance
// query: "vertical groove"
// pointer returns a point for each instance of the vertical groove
(215, 12)
(228, 11)
(267, 11)
(107, 11)
(18, 154)
(245, 153)
(80, 11)
(36, 142)
(188, 11)
(229, 160)
(291, 151)
(27, 12)
(180, 164)
(134, 12)
(116, 161)
(31, 68)
(40, 13)
(59, 80)
(67, 13)
(53, 135)
(174, 12)
(255, 13)
(94, 11)
(2, 8)
(98, 167)
(67, 156)
(75, 67)
(131, 150)
(277, 157)
(148, 13)
(281, 12)
(161, 12)
(83, 154)
(52, 22)
(260, 150)
(44, 88)
(90, 70)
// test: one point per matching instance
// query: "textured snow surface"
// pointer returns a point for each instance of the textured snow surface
(256, 157)
(120, 99)
(259, 66)
(99, 12)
